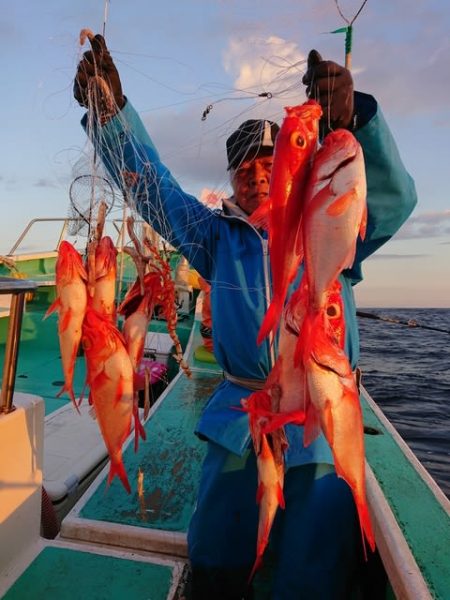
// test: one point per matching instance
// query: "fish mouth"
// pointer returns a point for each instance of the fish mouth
(346, 160)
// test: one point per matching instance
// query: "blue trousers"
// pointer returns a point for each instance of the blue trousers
(314, 547)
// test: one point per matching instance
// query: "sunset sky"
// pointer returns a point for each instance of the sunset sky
(180, 56)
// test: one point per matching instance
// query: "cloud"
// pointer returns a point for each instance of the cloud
(193, 149)
(264, 64)
(426, 225)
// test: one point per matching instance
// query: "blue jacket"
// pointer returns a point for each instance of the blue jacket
(233, 257)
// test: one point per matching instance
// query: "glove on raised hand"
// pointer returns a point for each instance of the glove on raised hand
(94, 64)
(332, 86)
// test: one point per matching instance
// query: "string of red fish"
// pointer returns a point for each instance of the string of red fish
(315, 213)
(87, 314)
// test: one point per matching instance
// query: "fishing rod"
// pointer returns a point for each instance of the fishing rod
(348, 30)
(409, 323)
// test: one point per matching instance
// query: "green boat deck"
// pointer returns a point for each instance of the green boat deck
(74, 573)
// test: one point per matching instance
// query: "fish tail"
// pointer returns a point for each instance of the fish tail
(117, 468)
(366, 526)
(257, 565)
(271, 319)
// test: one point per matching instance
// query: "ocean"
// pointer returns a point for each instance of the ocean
(406, 370)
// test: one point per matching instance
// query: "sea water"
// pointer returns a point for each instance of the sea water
(406, 370)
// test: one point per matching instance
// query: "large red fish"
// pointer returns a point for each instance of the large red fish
(335, 400)
(335, 212)
(294, 147)
(70, 304)
(110, 378)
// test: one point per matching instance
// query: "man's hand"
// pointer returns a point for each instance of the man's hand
(332, 86)
(97, 83)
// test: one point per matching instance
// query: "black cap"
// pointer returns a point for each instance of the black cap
(253, 138)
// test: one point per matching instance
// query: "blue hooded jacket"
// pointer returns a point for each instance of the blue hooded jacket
(233, 256)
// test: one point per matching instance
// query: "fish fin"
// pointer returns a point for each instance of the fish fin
(118, 468)
(327, 423)
(54, 306)
(92, 413)
(271, 320)
(119, 391)
(299, 242)
(363, 224)
(340, 205)
(65, 321)
(277, 420)
(280, 496)
(69, 390)
(260, 217)
(260, 492)
(312, 426)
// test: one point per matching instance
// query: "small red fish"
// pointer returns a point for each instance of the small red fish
(269, 495)
(70, 303)
(138, 311)
(103, 300)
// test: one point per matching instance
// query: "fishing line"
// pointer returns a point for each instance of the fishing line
(410, 323)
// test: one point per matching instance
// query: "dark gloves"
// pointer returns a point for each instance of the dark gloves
(97, 81)
(332, 86)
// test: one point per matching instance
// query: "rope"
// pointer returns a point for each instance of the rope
(410, 323)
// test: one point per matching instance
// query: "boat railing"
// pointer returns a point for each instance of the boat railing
(118, 225)
(18, 288)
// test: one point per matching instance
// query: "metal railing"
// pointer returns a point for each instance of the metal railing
(117, 223)
(18, 288)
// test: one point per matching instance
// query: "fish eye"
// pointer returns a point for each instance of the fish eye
(298, 140)
(333, 310)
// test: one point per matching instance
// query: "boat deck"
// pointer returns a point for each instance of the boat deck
(410, 513)
(70, 573)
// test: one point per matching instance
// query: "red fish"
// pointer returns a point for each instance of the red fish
(138, 311)
(269, 495)
(335, 212)
(103, 300)
(71, 305)
(294, 148)
(334, 396)
(110, 378)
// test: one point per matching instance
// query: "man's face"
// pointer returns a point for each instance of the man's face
(250, 183)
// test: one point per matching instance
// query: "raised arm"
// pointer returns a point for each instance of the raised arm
(391, 193)
(132, 160)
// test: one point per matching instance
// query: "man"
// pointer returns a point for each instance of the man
(315, 540)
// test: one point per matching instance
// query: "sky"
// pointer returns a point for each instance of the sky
(178, 57)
